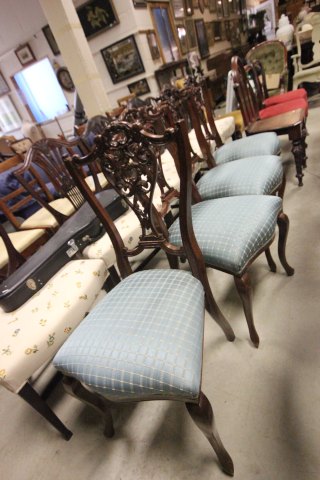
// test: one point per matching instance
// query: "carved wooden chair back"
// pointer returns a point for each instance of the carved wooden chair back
(48, 155)
(244, 92)
(129, 158)
(24, 189)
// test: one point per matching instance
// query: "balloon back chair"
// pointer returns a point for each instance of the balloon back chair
(273, 56)
(144, 341)
(290, 123)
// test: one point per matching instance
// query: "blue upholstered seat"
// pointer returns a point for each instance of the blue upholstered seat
(261, 144)
(248, 176)
(230, 231)
(142, 341)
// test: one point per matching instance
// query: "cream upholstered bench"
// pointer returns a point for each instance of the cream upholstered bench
(31, 335)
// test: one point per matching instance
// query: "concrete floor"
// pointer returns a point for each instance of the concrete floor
(266, 401)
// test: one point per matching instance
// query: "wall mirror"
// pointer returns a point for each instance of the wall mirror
(166, 34)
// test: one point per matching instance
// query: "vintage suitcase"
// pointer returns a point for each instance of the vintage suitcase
(72, 237)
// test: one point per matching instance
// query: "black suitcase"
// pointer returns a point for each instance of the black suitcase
(72, 237)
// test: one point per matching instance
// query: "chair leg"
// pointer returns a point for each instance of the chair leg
(244, 288)
(77, 390)
(282, 186)
(283, 224)
(305, 146)
(202, 415)
(216, 313)
(271, 262)
(36, 401)
(299, 158)
(173, 261)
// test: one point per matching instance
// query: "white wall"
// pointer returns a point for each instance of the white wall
(131, 21)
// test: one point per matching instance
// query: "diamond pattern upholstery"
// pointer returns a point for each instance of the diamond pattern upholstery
(148, 346)
(261, 144)
(248, 176)
(230, 231)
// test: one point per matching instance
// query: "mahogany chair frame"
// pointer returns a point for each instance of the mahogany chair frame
(128, 157)
(289, 123)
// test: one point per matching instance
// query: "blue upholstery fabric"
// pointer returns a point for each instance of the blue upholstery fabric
(248, 176)
(143, 340)
(230, 231)
(261, 144)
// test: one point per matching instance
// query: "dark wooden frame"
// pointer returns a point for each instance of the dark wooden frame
(108, 56)
(191, 33)
(183, 46)
(179, 10)
(189, 8)
(47, 32)
(219, 8)
(108, 9)
(210, 33)
(27, 49)
(138, 4)
(138, 92)
(153, 44)
(202, 39)
(212, 6)
(65, 80)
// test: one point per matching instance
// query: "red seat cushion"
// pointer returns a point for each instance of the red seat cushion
(286, 97)
(283, 108)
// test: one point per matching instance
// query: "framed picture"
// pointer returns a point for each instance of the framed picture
(153, 44)
(212, 6)
(182, 34)
(96, 16)
(178, 8)
(191, 34)
(201, 5)
(217, 28)
(225, 8)
(189, 7)
(138, 4)
(51, 40)
(65, 80)
(141, 87)
(202, 38)
(219, 8)
(210, 33)
(25, 54)
(4, 87)
(122, 59)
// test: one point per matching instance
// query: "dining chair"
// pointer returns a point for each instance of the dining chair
(150, 346)
(273, 56)
(310, 71)
(231, 231)
(251, 175)
(290, 123)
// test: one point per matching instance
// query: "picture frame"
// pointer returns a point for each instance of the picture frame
(225, 8)
(65, 80)
(201, 5)
(137, 4)
(25, 54)
(153, 45)
(212, 6)
(191, 34)
(210, 33)
(47, 32)
(189, 8)
(202, 38)
(140, 87)
(217, 28)
(96, 16)
(4, 87)
(123, 59)
(219, 8)
(182, 34)
(179, 9)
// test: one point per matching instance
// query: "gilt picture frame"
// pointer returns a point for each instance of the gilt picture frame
(123, 59)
